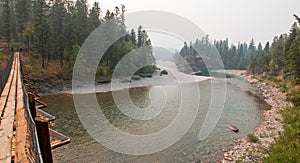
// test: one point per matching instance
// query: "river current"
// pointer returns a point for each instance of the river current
(243, 108)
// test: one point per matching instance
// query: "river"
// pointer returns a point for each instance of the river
(243, 108)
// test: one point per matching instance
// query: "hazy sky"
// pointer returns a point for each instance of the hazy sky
(238, 20)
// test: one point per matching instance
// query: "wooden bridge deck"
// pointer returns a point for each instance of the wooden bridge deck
(23, 136)
(12, 132)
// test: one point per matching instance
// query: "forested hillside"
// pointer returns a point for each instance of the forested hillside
(233, 56)
(280, 58)
(51, 33)
(281, 67)
(283, 58)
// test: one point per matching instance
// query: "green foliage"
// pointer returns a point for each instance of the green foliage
(125, 81)
(6, 18)
(163, 72)
(190, 55)
(146, 75)
(135, 78)
(233, 57)
(42, 30)
(252, 138)
(23, 16)
(75, 51)
(282, 58)
(287, 146)
(262, 79)
(55, 30)
(146, 70)
(294, 97)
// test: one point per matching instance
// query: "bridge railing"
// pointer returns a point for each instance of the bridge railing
(4, 74)
(33, 151)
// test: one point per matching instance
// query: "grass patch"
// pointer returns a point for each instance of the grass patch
(261, 79)
(287, 147)
(252, 138)
(294, 97)
(283, 89)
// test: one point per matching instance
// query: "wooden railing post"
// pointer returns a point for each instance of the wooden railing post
(32, 105)
(44, 139)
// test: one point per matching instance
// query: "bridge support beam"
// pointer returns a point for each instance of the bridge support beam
(32, 104)
(44, 139)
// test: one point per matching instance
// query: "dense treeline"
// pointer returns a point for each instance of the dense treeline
(55, 30)
(281, 67)
(233, 57)
(283, 58)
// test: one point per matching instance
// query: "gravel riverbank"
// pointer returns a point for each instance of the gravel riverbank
(270, 128)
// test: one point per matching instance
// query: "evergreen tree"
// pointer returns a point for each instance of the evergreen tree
(58, 21)
(267, 47)
(292, 54)
(6, 12)
(42, 30)
(23, 15)
(140, 39)
(81, 21)
(133, 37)
(94, 17)
(259, 47)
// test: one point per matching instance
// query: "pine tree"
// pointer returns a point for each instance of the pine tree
(42, 30)
(292, 54)
(6, 12)
(133, 37)
(58, 21)
(23, 15)
(267, 47)
(81, 21)
(94, 17)
(140, 39)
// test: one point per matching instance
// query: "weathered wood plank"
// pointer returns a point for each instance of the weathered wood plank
(20, 124)
(7, 120)
(5, 92)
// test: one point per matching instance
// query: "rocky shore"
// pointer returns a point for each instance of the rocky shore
(270, 128)
(104, 84)
(52, 87)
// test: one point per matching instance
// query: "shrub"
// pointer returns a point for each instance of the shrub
(287, 147)
(148, 75)
(294, 97)
(125, 81)
(283, 89)
(142, 75)
(135, 78)
(252, 138)
(164, 72)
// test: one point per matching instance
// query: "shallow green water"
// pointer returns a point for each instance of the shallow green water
(243, 108)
